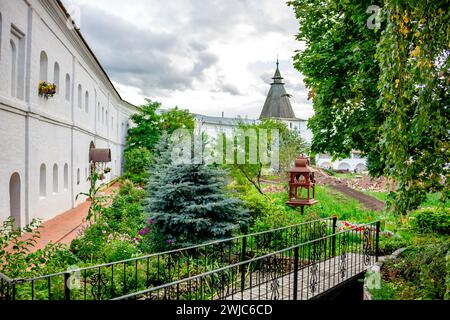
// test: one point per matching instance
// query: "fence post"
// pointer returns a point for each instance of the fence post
(333, 240)
(296, 262)
(66, 286)
(377, 244)
(243, 257)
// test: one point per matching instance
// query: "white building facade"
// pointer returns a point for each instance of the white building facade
(355, 163)
(44, 143)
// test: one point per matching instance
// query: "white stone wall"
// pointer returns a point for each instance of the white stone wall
(352, 164)
(56, 132)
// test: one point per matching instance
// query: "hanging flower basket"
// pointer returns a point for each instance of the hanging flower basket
(47, 90)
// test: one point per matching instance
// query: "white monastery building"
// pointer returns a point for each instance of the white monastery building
(44, 142)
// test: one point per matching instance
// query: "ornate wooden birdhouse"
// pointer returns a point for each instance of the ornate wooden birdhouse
(302, 185)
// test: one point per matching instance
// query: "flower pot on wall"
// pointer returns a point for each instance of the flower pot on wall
(47, 90)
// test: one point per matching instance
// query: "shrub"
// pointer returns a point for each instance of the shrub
(421, 272)
(431, 220)
(118, 250)
(137, 163)
(16, 260)
(119, 222)
(388, 245)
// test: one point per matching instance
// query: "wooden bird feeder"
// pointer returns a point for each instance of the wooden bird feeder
(302, 185)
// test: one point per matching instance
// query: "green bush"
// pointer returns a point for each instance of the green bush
(137, 163)
(420, 273)
(126, 215)
(388, 245)
(118, 250)
(431, 220)
(121, 221)
(16, 258)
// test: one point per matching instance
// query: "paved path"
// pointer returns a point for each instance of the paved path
(328, 274)
(67, 226)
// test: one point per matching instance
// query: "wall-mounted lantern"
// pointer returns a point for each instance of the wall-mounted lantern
(99, 155)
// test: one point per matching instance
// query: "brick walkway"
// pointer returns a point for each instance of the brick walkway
(67, 226)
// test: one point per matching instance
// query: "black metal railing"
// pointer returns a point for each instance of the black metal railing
(301, 272)
(112, 280)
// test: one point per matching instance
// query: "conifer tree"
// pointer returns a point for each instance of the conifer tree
(188, 204)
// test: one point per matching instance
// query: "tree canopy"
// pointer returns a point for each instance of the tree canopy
(383, 90)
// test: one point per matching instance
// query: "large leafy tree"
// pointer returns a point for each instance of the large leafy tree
(384, 92)
(290, 146)
(149, 124)
(146, 128)
(340, 69)
(414, 86)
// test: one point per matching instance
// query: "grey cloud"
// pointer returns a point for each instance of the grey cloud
(143, 58)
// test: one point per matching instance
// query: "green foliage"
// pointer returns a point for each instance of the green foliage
(388, 245)
(175, 119)
(188, 205)
(17, 260)
(420, 273)
(341, 71)
(413, 55)
(137, 163)
(149, 126)
(290, 147)
(431, 220)
(114, 234)
(97, 174)
(384, 93)
(146, 127)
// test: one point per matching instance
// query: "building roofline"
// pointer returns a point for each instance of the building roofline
(77, 30)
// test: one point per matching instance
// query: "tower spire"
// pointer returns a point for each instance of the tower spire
(277, 103)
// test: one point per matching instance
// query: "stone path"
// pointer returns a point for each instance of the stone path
(67, 226)
(328, 276)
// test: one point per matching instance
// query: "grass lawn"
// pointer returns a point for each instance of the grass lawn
(332, 203)
(433, 199)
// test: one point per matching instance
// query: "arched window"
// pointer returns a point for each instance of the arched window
(103, 115)
(56, 76)
(43, 71)
(98, 111)
(68, 88)
(86, 101)
(80, 94)
(106, 118)
(43, 181)
(13, 68)
(66, 177)
(55, 179)
(15, 199)
(78, 176)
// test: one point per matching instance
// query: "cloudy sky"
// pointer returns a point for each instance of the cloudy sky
(208, 56)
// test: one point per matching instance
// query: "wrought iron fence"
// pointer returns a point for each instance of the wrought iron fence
(112, 280)
(301, 272)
